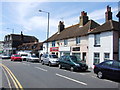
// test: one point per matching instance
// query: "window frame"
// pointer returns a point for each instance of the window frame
(65, 42)
(78, 39)
(96, 60)
(97, 40)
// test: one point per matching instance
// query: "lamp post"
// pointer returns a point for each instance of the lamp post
(11, 29)
(47, 27)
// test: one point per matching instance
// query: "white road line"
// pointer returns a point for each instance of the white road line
(26, 64)
(41, 69)
(71, 79)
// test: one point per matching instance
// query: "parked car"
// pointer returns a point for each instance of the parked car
(4, 56)
(108, 68)
(24, 55)
(72, 63)
(49, 59)
(16, 57)
(32, 58)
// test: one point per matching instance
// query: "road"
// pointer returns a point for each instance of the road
(36, 75)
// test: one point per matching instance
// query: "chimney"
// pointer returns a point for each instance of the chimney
(83, 18)
(60, 27)
(118, 16)
(108, 14)
(22, 37)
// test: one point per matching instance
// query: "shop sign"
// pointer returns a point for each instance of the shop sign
(76, 49)
(54, 49)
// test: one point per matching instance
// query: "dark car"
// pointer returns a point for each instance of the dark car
(72, 63)
(108, 68)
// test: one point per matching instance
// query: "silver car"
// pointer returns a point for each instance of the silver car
(50, 59)
(32, 58)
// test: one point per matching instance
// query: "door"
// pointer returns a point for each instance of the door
(84, 56)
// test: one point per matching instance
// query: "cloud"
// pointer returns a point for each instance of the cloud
(100, 14)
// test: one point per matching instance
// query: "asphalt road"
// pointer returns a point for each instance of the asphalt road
(36, 75)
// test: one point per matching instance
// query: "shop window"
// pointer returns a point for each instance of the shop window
(78, 55)
(96, 58)
(106, 56)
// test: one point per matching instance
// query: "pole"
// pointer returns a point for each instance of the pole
(48, 31)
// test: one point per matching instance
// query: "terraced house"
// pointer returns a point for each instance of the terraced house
(89, 41)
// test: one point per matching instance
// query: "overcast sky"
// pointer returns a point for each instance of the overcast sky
(24, 16)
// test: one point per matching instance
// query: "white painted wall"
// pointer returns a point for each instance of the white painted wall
(106, 42)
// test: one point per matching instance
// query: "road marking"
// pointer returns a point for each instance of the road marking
(7, 78)
(71, 79)
(41, 69)
(26, 64)
(14, 79)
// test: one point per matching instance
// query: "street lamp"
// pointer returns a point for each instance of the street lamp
(11, 29)
(47, 27)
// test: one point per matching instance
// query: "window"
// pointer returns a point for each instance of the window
(97, 40)
(78, 55)
(53, 43)
(77, 40)
(96, 58)
(106, 56)
(109, 63)
(65, 42)
(116, 64)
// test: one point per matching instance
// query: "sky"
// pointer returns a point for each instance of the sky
(25, 16)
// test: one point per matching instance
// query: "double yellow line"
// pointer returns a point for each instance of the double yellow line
(17, 84)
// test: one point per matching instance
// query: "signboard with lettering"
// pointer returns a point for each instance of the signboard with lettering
(76, 49)
(54, 49)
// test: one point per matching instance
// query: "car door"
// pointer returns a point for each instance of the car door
(67, 62)
(116, 70)
(107, 68)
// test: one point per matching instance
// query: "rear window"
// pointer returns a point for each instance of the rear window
(17, 55)
(116, 64)
(53, 56)
(24, 55)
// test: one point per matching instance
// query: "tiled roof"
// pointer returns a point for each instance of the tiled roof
(107, 26)
(74, 31)
(25, 37)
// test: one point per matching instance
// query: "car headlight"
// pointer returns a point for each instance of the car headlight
(77, 65)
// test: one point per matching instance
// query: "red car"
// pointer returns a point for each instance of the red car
(16, 57)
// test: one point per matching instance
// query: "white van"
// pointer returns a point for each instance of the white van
(24, 55)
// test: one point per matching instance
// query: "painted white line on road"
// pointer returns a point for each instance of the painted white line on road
(26, 64)
(71, 79)
(41, 69)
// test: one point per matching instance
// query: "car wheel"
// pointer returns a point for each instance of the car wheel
(60, 66)
(71, 69)
(100, 75)
(49, 64)
(42, 63)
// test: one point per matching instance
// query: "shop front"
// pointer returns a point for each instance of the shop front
(65, 51)
(79, 53)
(54, 50)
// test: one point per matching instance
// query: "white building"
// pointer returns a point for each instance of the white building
(89, 41)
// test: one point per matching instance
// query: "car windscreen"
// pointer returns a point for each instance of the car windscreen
(17, 55)
(34, 56)
(24, 55)
(75, 59)
(53, 56)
